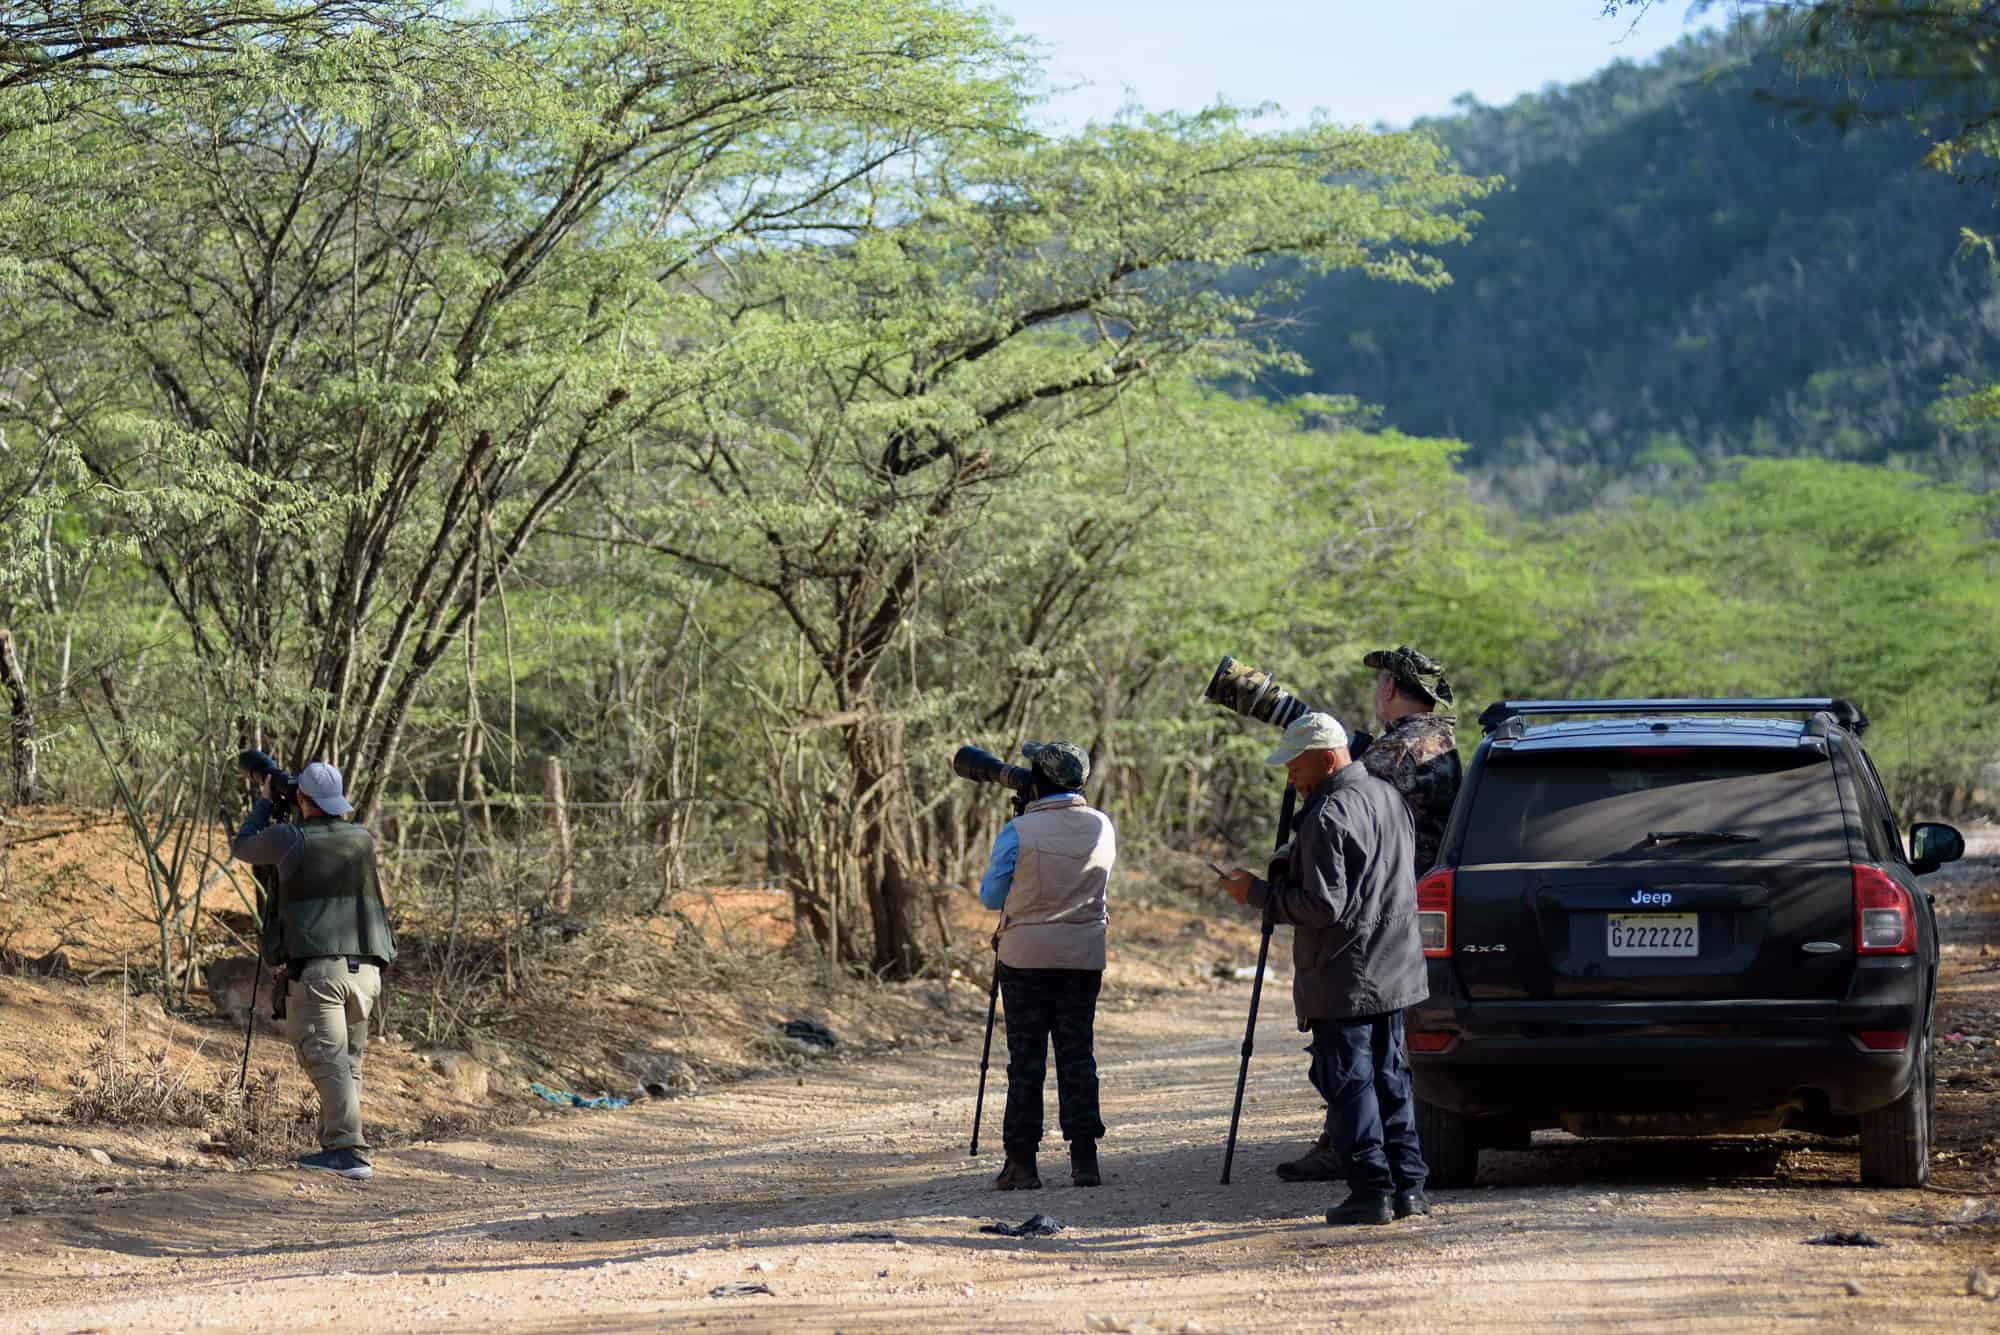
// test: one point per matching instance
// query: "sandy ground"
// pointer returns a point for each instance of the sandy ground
(844, 1188)
(848, 1193)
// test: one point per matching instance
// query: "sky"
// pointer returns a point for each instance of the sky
(1362, 61)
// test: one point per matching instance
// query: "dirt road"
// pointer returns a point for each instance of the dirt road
(847, 1192)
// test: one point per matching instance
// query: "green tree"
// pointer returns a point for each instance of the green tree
(377, 355)
(1000, 297)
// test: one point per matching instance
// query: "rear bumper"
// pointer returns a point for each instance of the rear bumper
(1533, 1061)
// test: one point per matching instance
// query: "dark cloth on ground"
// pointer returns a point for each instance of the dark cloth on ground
(1359, 1068)
(1044, 1007)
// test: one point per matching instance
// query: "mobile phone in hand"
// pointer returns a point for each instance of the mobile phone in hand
(1220, 874)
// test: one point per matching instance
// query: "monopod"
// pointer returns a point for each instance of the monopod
(1257, 985)
(985, 1053)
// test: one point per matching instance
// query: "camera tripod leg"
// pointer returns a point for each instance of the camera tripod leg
(985, 1054)
(1256, 991)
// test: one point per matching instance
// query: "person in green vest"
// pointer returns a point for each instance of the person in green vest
(327, 930)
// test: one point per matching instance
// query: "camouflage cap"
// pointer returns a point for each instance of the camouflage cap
(1062, 766)
(1417, 675)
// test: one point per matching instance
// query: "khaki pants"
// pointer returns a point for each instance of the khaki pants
(327, 1006)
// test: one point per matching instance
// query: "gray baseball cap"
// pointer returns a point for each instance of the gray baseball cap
(321, 782)
(1309, 732)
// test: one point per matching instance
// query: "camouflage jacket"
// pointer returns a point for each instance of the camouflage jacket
(1418, 755)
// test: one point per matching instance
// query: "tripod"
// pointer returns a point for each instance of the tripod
(1257, 987)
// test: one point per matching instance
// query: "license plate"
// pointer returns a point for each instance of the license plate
(1652, 934)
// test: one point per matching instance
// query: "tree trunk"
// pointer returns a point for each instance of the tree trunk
(895, 899)
(27, 787)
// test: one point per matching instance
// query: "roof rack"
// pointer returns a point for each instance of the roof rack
(1844, 712)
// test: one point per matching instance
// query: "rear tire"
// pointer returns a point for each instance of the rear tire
(1451, 1146)
(1896, 1140)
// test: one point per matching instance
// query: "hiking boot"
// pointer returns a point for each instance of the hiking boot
(1019, 1174)
(346, 1163)
(1412, 1201)
(1083, 1164)
(1359, 1209)
(1318, 1164)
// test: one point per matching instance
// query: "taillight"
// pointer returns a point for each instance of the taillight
(1883, 1040)
(1434, 913)
(1885, 921)
(1429, 1040)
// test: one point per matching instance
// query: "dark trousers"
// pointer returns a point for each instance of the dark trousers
(1044, 1005)
(1360, 1068)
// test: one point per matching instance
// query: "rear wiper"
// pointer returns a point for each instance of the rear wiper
(1655, 838)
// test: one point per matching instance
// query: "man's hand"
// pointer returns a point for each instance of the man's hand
(271, 789)
(1237, 883)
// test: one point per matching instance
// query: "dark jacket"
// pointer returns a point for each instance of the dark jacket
(1352, 902)
(329, 895)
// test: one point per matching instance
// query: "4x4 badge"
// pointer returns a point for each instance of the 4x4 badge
(1483, 950)
(1652, 897)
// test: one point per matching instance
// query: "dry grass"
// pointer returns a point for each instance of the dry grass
(115, 1089)
(252, 1121)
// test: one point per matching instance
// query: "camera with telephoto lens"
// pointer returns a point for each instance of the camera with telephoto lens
(284, 792)
(1254, 693)
(982, 766)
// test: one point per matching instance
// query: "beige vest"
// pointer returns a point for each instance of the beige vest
(1054, 916)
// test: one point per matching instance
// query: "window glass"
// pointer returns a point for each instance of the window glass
(1573, 806)
(1882, 815)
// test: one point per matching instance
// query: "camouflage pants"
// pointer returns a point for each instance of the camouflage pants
(1050, 1007)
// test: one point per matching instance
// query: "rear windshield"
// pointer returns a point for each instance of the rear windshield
(1577, 806)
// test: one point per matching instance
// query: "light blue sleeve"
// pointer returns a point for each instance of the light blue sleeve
(999, 878)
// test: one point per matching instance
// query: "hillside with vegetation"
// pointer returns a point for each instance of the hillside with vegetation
(1682, 268)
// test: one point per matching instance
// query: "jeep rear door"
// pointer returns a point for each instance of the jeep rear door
(1635, 872)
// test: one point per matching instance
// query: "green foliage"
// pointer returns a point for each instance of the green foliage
(1677, 256)
(1786, 577)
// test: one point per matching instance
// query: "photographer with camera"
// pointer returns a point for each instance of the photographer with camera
(1347, 886)
(1047, 875)
(328, 931)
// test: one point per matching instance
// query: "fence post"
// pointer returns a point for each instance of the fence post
(565, 878)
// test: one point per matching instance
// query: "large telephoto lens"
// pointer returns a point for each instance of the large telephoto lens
(982, 766)
(1252, 693)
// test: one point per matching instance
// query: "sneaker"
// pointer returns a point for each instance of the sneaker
(1412, 1201)
(1083, 1164)
(1019, 1174)
(1359, 1209)
(1318, 1164)
(345, 1163)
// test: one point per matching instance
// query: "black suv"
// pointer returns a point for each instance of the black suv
(1677, 917)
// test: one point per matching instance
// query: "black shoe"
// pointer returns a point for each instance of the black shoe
(1019, 1174)
(1083, 1164)
(346, 1163)
(1318, 1164)
(1359, 1209)
(1412, 1202)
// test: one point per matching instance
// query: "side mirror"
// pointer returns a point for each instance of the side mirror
(1932, 845)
